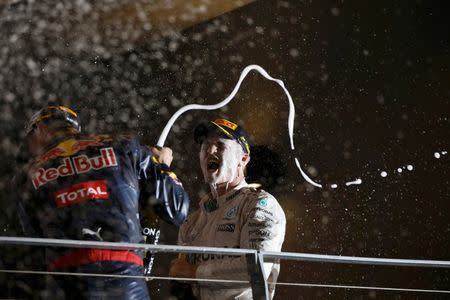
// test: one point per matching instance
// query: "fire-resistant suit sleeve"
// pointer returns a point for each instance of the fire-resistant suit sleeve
(26, 224)
(27, 221)
(161, 189)
(262, 227)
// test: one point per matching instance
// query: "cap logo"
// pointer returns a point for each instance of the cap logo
(64, 108)
(226, 123)
(67, 115)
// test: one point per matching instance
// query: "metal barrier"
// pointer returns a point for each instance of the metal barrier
(255, 261)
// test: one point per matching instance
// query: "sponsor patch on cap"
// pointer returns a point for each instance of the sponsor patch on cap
(226, 123)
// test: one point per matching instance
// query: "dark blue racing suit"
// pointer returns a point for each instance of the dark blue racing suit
(96, 187)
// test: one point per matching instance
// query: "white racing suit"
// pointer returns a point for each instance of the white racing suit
(242, 218)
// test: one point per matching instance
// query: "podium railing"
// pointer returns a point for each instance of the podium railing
(255, 261)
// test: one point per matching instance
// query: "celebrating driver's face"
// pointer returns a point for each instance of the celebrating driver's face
(219, 159)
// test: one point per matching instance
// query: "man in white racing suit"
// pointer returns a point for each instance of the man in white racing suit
(233, 215)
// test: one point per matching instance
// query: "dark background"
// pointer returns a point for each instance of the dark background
(370, 81)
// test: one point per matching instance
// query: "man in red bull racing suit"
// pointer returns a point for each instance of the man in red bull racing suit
(93, 187)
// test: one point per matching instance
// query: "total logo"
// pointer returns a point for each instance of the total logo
(81, 192)
(68, 148)
(75, 165)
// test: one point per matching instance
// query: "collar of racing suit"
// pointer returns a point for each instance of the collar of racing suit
(210, 204)
(57, 138)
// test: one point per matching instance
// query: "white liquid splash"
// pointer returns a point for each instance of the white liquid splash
(438, 155)
(355, 182)
(306, 176)
(291, 117)
(399, 170)
(227, 100)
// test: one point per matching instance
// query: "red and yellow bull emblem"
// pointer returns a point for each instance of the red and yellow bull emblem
(67, 148)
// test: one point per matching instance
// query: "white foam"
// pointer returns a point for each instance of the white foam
(291, 116)
(290, 122)
(304, 174)
(227, 100)
(355, 182)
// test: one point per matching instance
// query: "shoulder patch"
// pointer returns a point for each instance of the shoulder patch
(253, 193)
(210, 205)
(262, 202)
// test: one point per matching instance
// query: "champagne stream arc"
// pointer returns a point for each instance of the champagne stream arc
(227, 100)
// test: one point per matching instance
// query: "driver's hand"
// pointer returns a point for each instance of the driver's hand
(163, 155)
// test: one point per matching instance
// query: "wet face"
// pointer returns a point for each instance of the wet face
(220, 160)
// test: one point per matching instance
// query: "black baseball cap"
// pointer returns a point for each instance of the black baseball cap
(225, 127)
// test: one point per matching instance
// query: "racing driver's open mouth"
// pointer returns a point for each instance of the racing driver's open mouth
(212, 165)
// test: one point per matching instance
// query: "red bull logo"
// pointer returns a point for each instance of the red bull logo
(67, 148)
(75, 165)
(81, 192)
